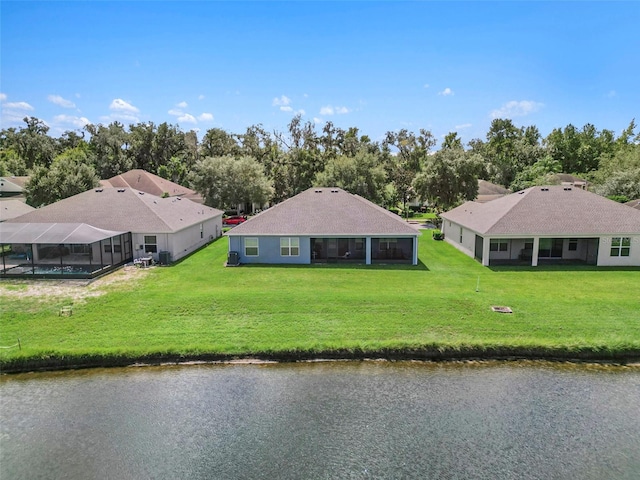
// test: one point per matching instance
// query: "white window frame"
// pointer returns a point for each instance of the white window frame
(620, 247)
(289, 246)
(248, 244)
(153, 243)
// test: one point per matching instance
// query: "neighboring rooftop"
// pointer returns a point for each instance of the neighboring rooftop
(13, 208)
(122, 209)
(488, 191)
(634, 204)
(547, 211)
(149, 183)
(325, 211)
(53, 233)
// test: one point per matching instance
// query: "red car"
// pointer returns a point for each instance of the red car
(235, 220)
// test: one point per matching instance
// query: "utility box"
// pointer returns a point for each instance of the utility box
(165, 258)
(233, 259)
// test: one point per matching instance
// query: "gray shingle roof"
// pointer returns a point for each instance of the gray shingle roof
(13, 208)
(123, 209)
(149, 183)
(547, 211)
(325, 211)
(54, 233)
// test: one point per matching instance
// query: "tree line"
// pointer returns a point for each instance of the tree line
(258, 166)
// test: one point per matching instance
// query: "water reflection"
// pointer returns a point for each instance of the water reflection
(324, 420)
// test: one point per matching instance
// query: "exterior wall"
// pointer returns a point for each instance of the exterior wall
(269, 250)
(606, 260)
(180, 243)
(451, 231)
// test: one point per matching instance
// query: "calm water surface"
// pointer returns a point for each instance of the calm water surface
(323, 420)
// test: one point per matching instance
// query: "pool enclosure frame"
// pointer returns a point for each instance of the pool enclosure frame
(61, 250)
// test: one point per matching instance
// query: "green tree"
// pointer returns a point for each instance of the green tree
(228, 181)
(70, 173)
(449, 177)
(109, 146)
(362, 174)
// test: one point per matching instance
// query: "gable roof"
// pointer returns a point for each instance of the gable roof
(123, 209)
(553, 210)
(54, 233)
(13, 208)
(149, 183)
(325, 211)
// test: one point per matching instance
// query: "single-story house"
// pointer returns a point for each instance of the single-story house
(323, 225)
(165, 229)
(546, 225)
(488, 191)
(146, 182)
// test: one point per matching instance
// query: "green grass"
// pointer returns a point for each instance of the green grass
(200, 308)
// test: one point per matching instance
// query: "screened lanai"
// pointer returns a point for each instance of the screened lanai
(55, 250)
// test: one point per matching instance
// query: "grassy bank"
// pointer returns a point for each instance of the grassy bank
(199, 309)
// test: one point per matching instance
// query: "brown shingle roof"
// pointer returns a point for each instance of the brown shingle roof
(325, 211)
(123, 209)
(547, 211)
(149, 183)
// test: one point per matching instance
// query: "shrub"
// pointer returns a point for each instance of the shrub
(437, 235)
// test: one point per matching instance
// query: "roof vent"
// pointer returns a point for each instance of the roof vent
(121, 190)
(544, 189)
(566, 189)
(139, 193)
(318, 191)
(98, 190)
(335, 191)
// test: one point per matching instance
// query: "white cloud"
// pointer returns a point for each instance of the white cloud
(205, 117)
(175, 112)
(200, 97)
(331, 110)
(516, 109)
(123, 117)
(317, 120)
(463, 126)
(282, 101)
(286, 108)
(426, 85)
(187, 118)
(182, 105)
(446, 92)
(301, 112)
(3, 97)
(62, 102)
(77, 122)
(120, 105)
(17, 106)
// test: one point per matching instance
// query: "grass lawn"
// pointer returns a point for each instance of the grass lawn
(199, 308)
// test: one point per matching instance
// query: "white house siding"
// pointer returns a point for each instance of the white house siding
(190, 239)
(452, 233)
(606, 260)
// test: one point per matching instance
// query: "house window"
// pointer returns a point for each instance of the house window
(460, 235)
(387, 243)
(499, 245)
(573, 244)
(620, 246)
(290, 246)
(81, 249)
(201, 231)
(150, 244)
(251, 247)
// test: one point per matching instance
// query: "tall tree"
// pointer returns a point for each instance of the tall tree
(70, 173)
(228, 181)
(449, 177)
(109, 145)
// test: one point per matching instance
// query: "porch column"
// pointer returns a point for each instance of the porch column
(486, 250)
(415, 250)
(534, 254)
(367, 250)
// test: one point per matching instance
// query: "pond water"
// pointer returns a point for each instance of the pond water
(514, 420)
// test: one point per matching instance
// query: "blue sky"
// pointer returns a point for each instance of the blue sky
(378, 66)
